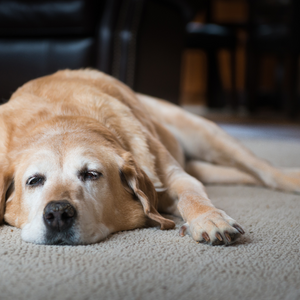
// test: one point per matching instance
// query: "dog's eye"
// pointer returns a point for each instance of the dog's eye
(89, 175)
(35, 180)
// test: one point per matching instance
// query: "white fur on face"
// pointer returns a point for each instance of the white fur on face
(86, 196)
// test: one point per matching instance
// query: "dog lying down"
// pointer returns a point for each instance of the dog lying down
(83, 156)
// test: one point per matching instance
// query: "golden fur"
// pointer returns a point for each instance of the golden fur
(60, 124)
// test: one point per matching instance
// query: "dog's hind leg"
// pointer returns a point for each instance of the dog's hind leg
(215, 174)
(204, 140)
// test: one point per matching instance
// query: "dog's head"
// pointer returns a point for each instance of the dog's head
(71, 182)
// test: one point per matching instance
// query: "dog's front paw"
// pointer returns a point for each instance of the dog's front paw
(213, 227)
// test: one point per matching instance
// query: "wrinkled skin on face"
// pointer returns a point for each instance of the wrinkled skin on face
(84, 166)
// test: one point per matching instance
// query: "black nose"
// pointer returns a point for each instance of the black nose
(59, 215)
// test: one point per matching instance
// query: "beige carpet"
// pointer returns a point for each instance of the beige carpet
(153, 264)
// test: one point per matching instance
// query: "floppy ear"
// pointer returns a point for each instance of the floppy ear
(136, 181)
(6, 187)
(5, 183)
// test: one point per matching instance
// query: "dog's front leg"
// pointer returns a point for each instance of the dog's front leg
(204, 222)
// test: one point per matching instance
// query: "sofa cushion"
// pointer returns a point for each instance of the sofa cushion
(48, 17)
(23, 60)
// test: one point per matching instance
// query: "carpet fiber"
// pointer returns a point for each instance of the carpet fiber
(153, 264)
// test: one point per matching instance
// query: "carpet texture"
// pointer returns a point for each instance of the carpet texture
(153, 264)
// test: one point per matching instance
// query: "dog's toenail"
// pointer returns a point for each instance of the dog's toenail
(219, 237)
(239, 228)
(205, 236)
(227, 236)
(182, 230)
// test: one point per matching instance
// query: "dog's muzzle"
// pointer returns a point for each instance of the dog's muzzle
(59, 216)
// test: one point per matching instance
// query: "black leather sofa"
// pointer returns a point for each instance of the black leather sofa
(138, 41)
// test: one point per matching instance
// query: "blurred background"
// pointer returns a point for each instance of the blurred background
(232, 61)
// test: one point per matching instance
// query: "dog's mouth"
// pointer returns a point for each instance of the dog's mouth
(61, 243)
(61, 238)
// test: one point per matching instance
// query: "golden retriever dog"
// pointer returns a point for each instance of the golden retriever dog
(83, 156)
